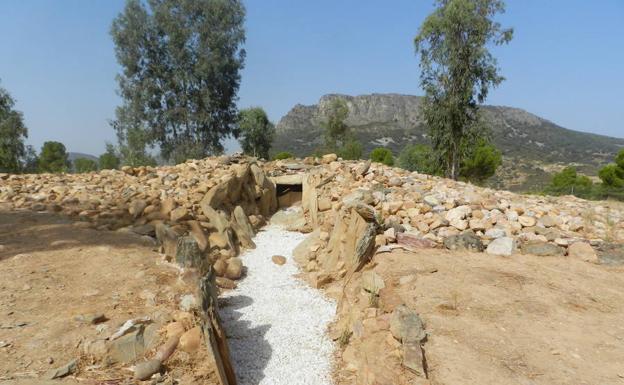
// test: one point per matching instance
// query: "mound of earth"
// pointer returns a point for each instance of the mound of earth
(116, 277)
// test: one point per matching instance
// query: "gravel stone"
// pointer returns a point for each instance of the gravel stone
(276, 324)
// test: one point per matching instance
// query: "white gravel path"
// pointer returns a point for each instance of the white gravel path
(276, 324)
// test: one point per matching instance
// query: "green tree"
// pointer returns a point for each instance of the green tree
(132, 143)
(53, 158)
(336, 130)
(181, 62)
(256, 132)
(12, 135)
(481, 163)
(568, 181)
(382, 155)
(418, 157)
(457, 71)
(82, 165)
(109, 160)
(30, 160)
(351, 150)
(611, 176)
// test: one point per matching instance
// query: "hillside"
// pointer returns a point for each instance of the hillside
(532, 146)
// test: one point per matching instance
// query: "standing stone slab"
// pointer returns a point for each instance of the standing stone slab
(188, 254)
(213, 332)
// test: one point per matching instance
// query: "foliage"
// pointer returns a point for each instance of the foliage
(181, 63)
(351, 150)
(283, 155)
(568, 181)
(30, 160)
(12, 135)
(256, 132)
(53, 158)
(481, 163)
(85, 165)
(457, 71)
(109, 160)
(619, 161)
(382, 155)
(418, 157)
(611, 175)
(132, 150)
(336, 130)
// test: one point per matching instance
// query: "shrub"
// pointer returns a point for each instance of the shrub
(85, 165)
(283, 155)
(418, 158)
(481, 163)
(382, 155)
(568, 181)
(109, 160)
(352, 150)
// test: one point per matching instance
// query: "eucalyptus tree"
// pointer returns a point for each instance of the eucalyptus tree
(457, 72)
(181, 62)
(13, 132)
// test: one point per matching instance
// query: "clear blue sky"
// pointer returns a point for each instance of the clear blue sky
(566, 62)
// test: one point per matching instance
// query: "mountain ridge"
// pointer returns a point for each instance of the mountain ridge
(394, 120)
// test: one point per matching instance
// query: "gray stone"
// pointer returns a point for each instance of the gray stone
(467, 240)
(372, 282)
(188, 302)
(541, 248)
(145, 370)
(364, 247)
(188, 254)
(406, 325)
(501, 246)
(431, 200)
(495, 233)
(413, 357)
(134, 345)
(63, 371)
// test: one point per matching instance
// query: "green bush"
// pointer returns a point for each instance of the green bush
(568, 181)
(352, 150)
(85, 165)
(418, 157)
(481, 163)
(382, 155)
(109, 160)
(283, 155)
(611, 176)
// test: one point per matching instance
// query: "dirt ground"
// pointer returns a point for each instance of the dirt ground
(52, 272)
(491, 320)
(517, 320)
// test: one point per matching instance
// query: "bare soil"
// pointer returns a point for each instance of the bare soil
(518, 320)
(52, 271)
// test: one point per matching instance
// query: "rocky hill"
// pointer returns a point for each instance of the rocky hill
(532, 146)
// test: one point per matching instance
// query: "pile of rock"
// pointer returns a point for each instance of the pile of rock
(201, 211)
(416, 210)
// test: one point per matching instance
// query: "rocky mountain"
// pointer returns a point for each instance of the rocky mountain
(72, 156)
(532, 146)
